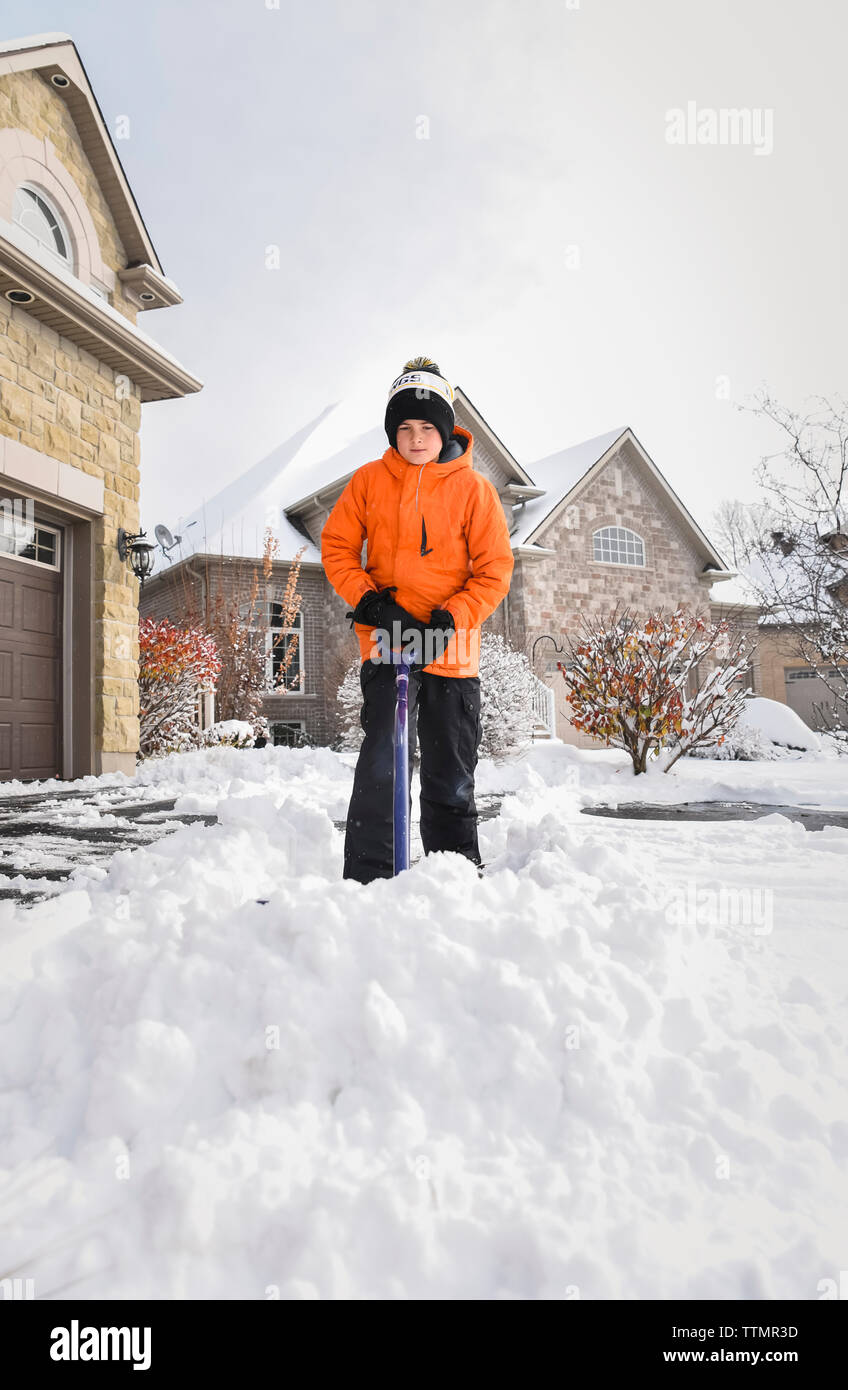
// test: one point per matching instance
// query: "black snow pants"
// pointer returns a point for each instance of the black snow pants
(444, 715)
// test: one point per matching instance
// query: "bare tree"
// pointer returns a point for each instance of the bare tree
(793, 543)
(238, 615)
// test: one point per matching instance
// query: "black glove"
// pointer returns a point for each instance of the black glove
(377, 608)
(370, 607)
(430, 637)
(443, 620)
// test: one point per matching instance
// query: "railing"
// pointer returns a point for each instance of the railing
(544, 706)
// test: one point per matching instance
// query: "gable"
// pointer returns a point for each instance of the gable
(558, 475)
(622, 494)
(43, 62)
(54, 143)
(622, 457)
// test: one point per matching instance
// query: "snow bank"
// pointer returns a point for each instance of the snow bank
(779, 724)
(604, 776)
(556, 1081)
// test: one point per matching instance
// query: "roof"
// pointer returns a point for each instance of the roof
(233, 521)
(566, 471)
(559, 473)
(54, 53)
(320, 457)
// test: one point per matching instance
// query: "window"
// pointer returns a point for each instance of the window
(34, 542)
(279, 642)
(807, 674)
(615, 545)
(285, 733)
(42, 221)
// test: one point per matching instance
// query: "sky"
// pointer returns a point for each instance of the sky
(337, 186)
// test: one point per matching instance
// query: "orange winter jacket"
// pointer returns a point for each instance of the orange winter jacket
(436, 530)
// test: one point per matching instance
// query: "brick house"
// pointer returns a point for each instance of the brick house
(783, 670)
(76, 268)
(590, 525)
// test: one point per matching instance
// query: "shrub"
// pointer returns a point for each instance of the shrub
(627, 680)
(173, 664)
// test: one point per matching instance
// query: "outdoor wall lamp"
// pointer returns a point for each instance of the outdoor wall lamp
(544, 637)
(138, 551)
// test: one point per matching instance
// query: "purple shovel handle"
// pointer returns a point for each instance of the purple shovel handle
(401, 772)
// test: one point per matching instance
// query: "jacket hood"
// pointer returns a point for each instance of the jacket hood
(397, 464)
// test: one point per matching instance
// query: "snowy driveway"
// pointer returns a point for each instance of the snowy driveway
(612, 1068)
(47, 837)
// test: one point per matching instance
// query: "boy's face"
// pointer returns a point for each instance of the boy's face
(418, 441)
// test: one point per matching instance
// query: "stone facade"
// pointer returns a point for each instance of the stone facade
(549, 595)
(73, 377)
(65, 404)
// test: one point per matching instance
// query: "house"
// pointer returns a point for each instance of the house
(787, 648)
(591, 525)
(77, 267)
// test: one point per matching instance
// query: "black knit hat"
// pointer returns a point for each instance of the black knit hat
(420, 393)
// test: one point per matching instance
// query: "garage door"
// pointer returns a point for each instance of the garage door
(30, 664)
(804, 690)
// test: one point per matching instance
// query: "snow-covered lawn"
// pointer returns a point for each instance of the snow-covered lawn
(591, 1073)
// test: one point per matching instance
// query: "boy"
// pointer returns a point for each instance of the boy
(439, 562)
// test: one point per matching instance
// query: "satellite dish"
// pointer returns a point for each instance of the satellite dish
(166, 540)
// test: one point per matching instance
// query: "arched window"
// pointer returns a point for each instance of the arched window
(43, 222)
(615, 545)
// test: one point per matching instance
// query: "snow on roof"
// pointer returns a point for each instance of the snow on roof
(733, 591)
(33, 41)
(345, 439)
(10, 231)
(559, 473)
(330, 447)
(233, 521)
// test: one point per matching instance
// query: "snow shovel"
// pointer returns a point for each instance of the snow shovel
(401, 769)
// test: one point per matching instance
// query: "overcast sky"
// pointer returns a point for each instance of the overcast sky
(564, 263)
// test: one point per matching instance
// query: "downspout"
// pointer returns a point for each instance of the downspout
(519, 507)
(194, 574)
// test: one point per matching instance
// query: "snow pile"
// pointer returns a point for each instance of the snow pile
(557, 1081)
(779, 724)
